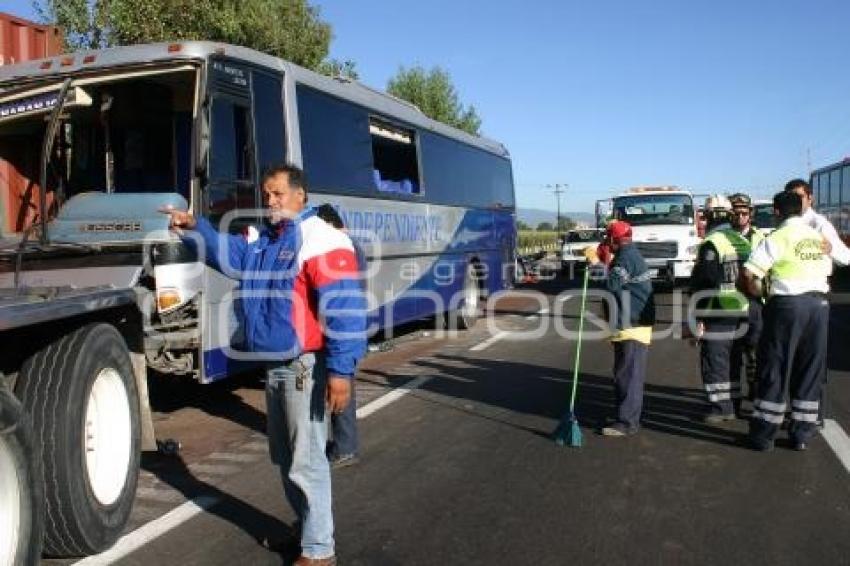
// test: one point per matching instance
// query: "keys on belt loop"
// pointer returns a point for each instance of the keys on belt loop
(300, 374)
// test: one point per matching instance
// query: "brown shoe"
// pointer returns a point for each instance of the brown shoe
(305, 561)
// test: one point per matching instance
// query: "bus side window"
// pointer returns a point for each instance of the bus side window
(396, 168)
(845, 185)
(457, 174)
(823, 195)
(835, 186)
(231, 159)
(335, 144)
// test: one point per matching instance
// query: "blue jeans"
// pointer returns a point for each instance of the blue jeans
(344, 428)
(298, 435)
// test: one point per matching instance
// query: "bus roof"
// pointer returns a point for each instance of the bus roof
(845, 161)
(57, 67)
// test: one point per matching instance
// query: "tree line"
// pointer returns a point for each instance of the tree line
(290, 29)
(564, 224)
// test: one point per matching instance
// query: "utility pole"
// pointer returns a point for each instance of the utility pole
(558, 191)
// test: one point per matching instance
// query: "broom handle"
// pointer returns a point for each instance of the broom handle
(578, 344)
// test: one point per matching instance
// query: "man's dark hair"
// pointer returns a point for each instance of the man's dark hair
(787, 204)
(795, 184)
(329, 214)
(296, 175)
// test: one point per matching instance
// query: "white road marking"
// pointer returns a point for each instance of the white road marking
(149, 531)
(538, 313)
(165, 495)
(231, 457)
(257, 446)
(213, 469)
(489, 341)
(392, 396)
(837, 440)
(171, 520)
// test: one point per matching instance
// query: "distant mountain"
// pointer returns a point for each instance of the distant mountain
(534, 216)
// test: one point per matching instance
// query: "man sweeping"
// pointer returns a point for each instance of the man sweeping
(630, 283)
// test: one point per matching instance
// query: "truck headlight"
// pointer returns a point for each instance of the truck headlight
(692, 250)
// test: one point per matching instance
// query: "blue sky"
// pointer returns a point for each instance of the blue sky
(606, 94)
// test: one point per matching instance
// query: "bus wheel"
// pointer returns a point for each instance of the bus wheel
(21, 521)
(470, 307)
(82, 388)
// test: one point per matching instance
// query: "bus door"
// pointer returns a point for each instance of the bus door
(228, 199)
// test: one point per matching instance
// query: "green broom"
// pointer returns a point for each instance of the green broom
(568, 431)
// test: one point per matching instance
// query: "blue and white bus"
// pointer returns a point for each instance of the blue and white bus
(194, 124)
(831, 195)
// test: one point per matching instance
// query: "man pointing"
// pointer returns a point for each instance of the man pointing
(303, 311)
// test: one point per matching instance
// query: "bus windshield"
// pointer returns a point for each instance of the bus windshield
(127, 134)
(642, 210)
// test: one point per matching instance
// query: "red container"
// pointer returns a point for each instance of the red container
(21, 40)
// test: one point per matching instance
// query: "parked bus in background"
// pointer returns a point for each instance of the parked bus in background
(831, 195)
(664, 227)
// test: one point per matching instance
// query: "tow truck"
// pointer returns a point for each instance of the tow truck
(664, 227)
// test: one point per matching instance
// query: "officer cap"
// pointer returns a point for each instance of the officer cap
(740, 200)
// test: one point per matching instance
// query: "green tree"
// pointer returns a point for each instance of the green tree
(545, 227)
(520, 225)
(337, 68)
(433, 92)
(290, 29)
(565, 223)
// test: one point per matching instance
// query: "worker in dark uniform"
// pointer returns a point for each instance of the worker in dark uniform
(744, 348)
(722, 310)
(630, 283)
(794, 338)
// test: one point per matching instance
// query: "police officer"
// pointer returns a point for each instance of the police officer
(796, 315)
(721, 308)
(744, 348)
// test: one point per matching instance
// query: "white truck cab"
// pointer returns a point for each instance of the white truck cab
(664, 227)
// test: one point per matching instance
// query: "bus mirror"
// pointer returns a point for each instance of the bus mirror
(201, 162)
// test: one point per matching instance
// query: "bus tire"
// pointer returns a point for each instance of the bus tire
(85, 408)
(469, 311)
(21, 503)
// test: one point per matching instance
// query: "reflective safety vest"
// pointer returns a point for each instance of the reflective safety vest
(734, 250)
(755, 238)
(802, 255)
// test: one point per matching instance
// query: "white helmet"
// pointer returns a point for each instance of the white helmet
(718, 202)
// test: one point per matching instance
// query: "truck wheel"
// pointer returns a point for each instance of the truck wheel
(21, 515)
(82, 397)
(470, 308)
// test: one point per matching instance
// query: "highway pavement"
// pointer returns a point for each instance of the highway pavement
(458, 465)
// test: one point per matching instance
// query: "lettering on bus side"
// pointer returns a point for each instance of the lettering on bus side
(395, 226)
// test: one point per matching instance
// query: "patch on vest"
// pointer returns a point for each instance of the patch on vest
(808, 250)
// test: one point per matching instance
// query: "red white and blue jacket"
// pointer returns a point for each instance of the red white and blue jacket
(299, 288)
